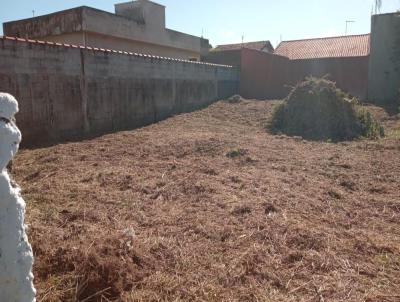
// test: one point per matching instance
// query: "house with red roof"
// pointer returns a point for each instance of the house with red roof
(324, 48)
(269, 74)
(344, 59)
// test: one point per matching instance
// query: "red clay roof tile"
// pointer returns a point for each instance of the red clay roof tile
(334, 47)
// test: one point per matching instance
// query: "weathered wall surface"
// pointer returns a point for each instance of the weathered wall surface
(350, 74)
(150, 13)
(98, 40)
(107, 24)
(96, 28)
(65, 22)
(265, 76)
(67, 92)
(75, 38)
(262, 75)
(226, 57)
(47, 82)
(384, 65)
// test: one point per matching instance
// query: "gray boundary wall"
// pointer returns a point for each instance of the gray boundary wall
(384, 63)
(70, 92)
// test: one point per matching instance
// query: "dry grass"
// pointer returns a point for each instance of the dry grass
(208, 206)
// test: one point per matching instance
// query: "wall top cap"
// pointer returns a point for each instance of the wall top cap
(88, 48)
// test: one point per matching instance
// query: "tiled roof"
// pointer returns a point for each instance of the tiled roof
(259, 45)
(335, 47)
(104, 50)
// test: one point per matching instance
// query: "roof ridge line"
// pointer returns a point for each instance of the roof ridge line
(325, 38)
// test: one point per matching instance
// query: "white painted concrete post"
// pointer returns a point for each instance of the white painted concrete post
(16, 257)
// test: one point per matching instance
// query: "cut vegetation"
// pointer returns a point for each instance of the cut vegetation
(208, 206)
(316, 109)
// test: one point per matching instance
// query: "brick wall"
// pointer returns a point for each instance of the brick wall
(68, 92)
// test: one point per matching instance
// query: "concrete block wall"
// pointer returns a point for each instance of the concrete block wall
(264, 75)
(384, 64)
(350, 74)
(269, 76)
(226, 57)
(67, 92)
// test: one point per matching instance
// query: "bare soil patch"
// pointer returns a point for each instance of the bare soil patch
(209, 206)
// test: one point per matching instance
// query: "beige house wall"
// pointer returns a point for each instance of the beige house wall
(100, 22)
(76, 38)
(103, 41)
(96, 28)
(109, 42)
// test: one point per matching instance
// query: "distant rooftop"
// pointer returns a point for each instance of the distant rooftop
(258, 45)
(332, 47)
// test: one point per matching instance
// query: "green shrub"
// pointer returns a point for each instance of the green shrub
(278, 118)
(370, 128)
(316, 109)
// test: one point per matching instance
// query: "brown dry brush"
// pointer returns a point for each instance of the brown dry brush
(316, 109)
(99, 271)
(221, 211)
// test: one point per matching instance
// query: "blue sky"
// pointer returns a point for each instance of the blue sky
(225, 21)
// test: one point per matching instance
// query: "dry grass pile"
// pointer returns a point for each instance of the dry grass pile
(316, 109)
(208, 206)
(235, 99)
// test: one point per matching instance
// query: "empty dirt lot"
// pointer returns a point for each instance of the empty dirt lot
(208, 206)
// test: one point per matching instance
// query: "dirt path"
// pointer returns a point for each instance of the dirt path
(208, 206)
